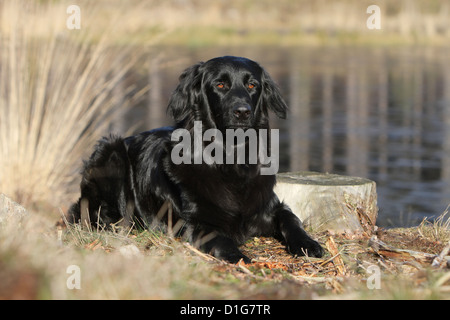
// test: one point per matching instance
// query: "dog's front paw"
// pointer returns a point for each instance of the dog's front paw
(306, 247)
(235, 258)
(228, 252)
(232, 257)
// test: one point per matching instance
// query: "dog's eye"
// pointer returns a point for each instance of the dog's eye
(250, 86)
(220, 85)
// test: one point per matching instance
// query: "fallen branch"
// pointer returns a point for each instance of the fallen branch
(383, 249)
(442, 259)
(337, 260)
(198, 252)
(243, 268)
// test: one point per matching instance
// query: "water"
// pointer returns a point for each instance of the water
(383, 114)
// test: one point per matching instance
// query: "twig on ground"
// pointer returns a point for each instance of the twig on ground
(337, 259)
(442, 259)
(198, 252)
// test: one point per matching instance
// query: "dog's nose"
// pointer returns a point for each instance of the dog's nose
(242, 112)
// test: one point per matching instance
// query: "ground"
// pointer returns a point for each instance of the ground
(343, 271)
(37, 259)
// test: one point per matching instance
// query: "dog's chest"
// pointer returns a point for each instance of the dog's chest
(230, 195)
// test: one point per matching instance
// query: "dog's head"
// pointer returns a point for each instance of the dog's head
(226, 92)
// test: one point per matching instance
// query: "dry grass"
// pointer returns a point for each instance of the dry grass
(56, 97)
(58, 87)
(36, 256)
(103, 261)
(437, 229)
(292, 22)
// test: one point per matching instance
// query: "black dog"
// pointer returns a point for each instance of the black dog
(217, 206)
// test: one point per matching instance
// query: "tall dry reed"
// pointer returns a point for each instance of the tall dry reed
(56, 98)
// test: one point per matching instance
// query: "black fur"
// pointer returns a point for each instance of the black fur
(218, 206)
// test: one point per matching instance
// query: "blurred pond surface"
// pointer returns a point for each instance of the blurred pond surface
(380, 113)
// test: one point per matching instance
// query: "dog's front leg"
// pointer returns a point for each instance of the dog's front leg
(218, 246)
(290, 231)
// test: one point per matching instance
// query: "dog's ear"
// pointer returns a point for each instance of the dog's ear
(271, 98)
(182, 103)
